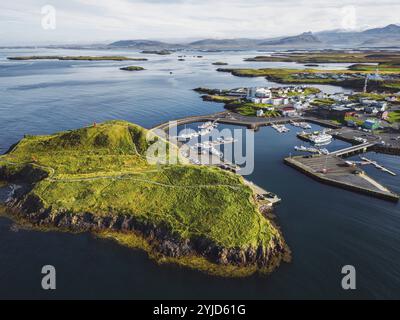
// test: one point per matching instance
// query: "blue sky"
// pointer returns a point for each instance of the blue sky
(87, 21)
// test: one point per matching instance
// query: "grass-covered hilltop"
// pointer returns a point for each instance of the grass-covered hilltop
(98, 179)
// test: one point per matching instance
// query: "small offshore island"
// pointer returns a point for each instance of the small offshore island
(158, 52)
(98, 179)
(132, 68)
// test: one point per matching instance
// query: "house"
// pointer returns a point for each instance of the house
(261, 100)
(381, 105)
(289, 112)
(276, 101)
(263, 93)
(260, 113)
(350, 114)
(371, 109)
(371, 124)
(367, 102)
(391, 99)
(299, 106)
(239, 92)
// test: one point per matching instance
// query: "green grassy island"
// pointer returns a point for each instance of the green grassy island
(77, 58)
(98, 179)
(331, 57)
(132, 68)
(354, 79)
(158, 52)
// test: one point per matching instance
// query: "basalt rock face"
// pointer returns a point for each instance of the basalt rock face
(29, 174)
(160, 237)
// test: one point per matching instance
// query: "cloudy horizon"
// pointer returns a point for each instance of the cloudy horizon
(96, 21)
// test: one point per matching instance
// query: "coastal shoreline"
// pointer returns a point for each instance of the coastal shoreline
(161, 251)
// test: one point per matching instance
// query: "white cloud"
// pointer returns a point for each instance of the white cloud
(101, 20)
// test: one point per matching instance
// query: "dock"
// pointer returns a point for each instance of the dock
(329, 168)
(333, 170)
(232, 118)
(378, 166)
(358, 148)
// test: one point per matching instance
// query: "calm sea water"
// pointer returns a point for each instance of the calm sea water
(325, 227)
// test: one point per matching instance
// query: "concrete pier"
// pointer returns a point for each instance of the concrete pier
(332, 170)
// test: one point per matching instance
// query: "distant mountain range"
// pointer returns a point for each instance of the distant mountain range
(388, 36)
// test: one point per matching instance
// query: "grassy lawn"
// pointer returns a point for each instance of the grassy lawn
(394, 116)
(386, 67)
(250, 109)
(219, 99)
(322, 102)
(306, 92)
(102, 170)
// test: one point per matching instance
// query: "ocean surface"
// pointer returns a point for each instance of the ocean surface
(325, 227)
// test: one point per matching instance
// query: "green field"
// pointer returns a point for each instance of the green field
(331, 57)
(394, 116)
(219, 99)
(291, 76)
(250, 109)
(102, 170)
(386, 67)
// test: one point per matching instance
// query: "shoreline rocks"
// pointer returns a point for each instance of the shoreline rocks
(160, 237)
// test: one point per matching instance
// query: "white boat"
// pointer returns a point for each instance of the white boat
(305, 149)
(206, 125)
(320, 139)
(204, 132)
(359, 139)
(187, 136)
(216, 152)
(280, 128)
(303, 125)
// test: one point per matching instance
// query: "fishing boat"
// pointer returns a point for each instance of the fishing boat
(216, 152)
(306, 149)
(320, 139)
(187, 136)
(303, 125)
(206, 125)
(280, 128)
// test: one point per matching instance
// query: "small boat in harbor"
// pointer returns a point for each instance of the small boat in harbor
(311, 150)
(187, 136)
(318, 138)
(208, 125)
(280, 128)
(321, 139)
(303, 125)
(306, 149)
